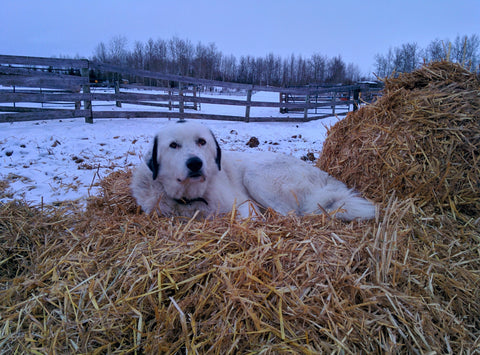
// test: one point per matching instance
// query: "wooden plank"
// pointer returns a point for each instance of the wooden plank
(157, 104)
(39, 73)
(281, 91)
(167, 77)
(42, 97)
(42, 61)
(232, 102)
(29, 109)
(314, 118)
(154, 88)
(25, 90)
(64, 114)
(132, 97)
(42, 81)
(187, 115)
(206, 82)
(160, 114)
(43, 115)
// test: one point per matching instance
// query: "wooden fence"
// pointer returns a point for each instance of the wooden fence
(33, 88)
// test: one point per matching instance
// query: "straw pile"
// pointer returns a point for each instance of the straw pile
(421, 139)
(112, 280)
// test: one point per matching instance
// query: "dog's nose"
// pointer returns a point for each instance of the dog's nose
(194, 164)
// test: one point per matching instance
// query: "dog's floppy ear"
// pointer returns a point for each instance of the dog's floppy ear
(153, 161)
(218, 157)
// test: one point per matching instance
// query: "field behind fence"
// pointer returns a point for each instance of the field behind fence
(33, 88)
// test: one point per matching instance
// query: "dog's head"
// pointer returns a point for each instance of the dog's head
(184, 156)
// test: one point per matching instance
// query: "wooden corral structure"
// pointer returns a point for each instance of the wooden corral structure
(333, 96)
(33, 88)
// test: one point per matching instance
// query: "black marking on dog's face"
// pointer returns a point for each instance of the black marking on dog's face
(153, 162)
(218, 158)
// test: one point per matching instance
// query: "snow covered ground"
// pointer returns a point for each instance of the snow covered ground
(54, 161)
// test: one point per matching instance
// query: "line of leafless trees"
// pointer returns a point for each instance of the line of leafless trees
(182, 57)
(409, 56)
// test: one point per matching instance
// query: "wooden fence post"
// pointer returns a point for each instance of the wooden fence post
(334, 94)
(180, 101)
(247, 107)
(78, 104)
(195, 107)
(117, 91)
(305, 111)
(87, 104)
(356, 94)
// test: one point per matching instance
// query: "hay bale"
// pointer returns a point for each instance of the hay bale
(421, 139)
(115, 194)
(112, 280)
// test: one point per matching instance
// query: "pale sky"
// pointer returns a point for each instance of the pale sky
(356, 30)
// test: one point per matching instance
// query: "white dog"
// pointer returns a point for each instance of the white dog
(186, 171)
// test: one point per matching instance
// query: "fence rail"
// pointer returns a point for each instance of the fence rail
(33, 88)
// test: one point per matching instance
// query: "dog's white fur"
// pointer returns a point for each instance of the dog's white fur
(249, 181)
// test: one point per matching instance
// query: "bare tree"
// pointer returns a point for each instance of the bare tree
(465, 50)
(407, 57)
(100, 53)
(117, 50)
(403, 59)
(302, 74)
(228, 68)
(207, 61)
(352, 73)
(244, 69)
(437, 50)
(382, 69)
(179, 56)
(181, 52)
(272, 65)
(160, 59)
(149, 55)
(336, 70)
(318, 65)
(138, 56)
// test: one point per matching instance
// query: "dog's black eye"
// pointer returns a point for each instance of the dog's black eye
(201, 141)
(174, 145)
